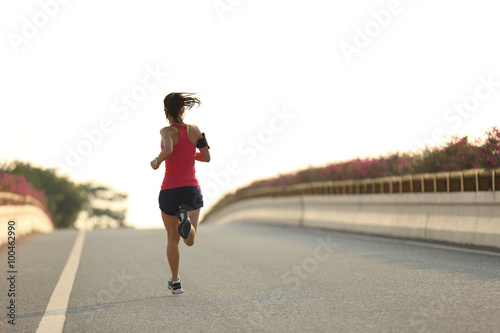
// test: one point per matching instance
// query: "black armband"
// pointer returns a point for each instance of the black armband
(202, 143)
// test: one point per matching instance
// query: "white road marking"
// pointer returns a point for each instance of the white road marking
(55, 314)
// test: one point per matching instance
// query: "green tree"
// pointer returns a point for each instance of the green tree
(99, 211)
(66, 199)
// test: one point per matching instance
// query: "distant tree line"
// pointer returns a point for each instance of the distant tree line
(67, 199)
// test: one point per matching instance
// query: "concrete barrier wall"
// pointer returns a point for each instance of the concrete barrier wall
(286, 211)
(28, 219)
(471, 218)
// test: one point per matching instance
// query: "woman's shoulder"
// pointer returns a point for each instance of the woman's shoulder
(167, 129)
(194, 127)
(194, 132)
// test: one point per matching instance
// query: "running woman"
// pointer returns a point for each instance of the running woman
(180, 197)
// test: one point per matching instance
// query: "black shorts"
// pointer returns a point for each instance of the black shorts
(187, 197)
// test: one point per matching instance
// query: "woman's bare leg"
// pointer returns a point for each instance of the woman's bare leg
(194, 216)
(171, 224)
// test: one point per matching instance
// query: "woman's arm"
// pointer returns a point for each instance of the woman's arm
(203, 155)
(168, 148)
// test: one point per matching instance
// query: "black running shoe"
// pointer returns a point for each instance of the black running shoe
(175, 287)
(185, 225)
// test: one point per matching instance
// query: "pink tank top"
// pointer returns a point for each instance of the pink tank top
(179, 166)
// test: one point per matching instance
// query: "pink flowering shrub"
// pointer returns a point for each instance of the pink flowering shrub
(17, 184)
(488, 154)
(457, 154)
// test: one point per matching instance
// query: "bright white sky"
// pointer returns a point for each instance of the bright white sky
(80, 67)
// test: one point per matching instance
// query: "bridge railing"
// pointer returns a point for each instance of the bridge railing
(14, 199)
(455, 181)
(23, 205)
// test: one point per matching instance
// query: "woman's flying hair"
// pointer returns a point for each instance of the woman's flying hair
(174, 102)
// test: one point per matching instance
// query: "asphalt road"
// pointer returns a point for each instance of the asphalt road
(246, 278)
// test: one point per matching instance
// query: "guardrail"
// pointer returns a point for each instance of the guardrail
(475, 180)
(29, 214)
(7, 198)
(14, 199)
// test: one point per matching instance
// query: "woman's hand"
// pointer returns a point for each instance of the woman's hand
(154, 165)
